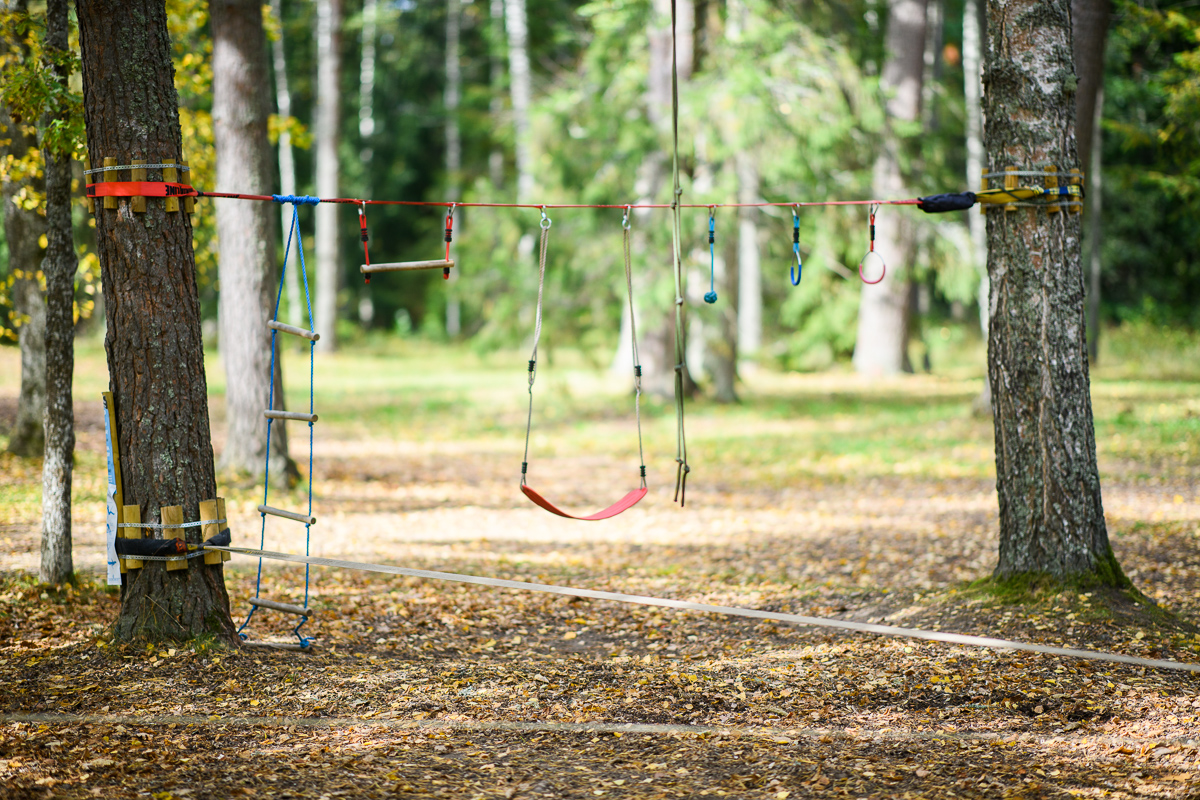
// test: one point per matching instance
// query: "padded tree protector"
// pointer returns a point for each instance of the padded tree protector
(940, 203)
(150, 547)
(624, 504)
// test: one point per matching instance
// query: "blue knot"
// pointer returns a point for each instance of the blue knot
(710, 297)
(296, 199)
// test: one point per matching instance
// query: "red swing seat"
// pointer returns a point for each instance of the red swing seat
(624, 504)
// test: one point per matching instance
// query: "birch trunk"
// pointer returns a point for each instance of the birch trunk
(155, 350)
(287, 161)
(453, 145)
(516, 26)
(496, 78)
(22, 229)
(329, 272)
(247, 238)
(883, 313)
(57, 565)
(1051, 515)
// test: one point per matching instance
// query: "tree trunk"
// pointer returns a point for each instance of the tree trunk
(883, 313)
(723, 346)
(22, 229)
(366, 80)
(329, 272)
(973, 24)
(520, 85)
(154, 346)
(247, 238)
(59, 268)
(1089, 23)
(453, 146)
(287, 160)
(1051, 516)
(749, 292)
(496, 79)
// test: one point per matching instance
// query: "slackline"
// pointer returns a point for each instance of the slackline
(683, 605)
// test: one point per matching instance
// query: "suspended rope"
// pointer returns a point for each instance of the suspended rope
(272, 415)
(633, 497)
(796, 272)
(677, 249)
(710, 296)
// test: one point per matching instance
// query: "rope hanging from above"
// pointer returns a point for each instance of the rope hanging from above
(677, 251)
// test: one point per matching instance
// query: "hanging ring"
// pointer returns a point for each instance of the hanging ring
(546, 223)
(871, 258)
(796, 272)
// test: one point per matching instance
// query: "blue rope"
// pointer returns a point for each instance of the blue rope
(711, 295)
(797, 272)
(293, 230)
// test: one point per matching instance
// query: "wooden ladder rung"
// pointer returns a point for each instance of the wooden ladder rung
(398, 266)
(286, 608)
(296, 415)
(279, 512)
(292, 329)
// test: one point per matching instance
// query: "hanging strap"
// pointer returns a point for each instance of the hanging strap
(676, 235)
(632, 498)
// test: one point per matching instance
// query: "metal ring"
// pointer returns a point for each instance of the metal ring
(546, 223)
(882, 267)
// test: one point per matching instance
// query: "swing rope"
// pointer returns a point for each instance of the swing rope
(293, 231)
(633, 497)
(677, 236)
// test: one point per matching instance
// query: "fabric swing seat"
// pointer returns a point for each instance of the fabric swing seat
(624, 504)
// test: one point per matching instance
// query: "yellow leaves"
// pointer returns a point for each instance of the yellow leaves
(570, 635)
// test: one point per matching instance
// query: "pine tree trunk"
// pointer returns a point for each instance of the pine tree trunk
(59, 268)
(287, 160)
(883, 313)
(154, 345)
(329, 272)
(1051, 516)
(247, 238)
(22, 229)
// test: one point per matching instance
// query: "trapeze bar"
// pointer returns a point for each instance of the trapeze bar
(292, 329)
(397, 266)
(286, 608)
(296, 415)
(279, 512)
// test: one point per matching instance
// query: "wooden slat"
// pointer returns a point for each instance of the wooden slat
(983, 185)
(400, 266)
(138, 204)
(1052, 183)
(224, 525)
(1010, 182)
(171, 175)
(279, 512)
(110, 202)
(189, 203)
(91, 202)
(287, 608)
(293, 415)
(208, 510)
(1076, 180)
(173, 515)
(293, 330)
(132, 514)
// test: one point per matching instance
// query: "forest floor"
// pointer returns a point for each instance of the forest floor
(820, 495)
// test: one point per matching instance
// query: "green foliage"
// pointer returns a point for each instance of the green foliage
(29, 89)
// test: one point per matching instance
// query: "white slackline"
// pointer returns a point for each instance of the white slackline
(683, 605)
(1080, 738)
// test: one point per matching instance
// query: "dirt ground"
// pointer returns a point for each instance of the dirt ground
(421, 689)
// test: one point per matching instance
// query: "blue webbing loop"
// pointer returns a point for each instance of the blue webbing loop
(296, 199)
(711, 295)
(796, 272)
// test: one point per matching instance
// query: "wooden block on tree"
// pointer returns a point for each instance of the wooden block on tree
(138, 204)
(1052, 183)
(1076, 180)
(132, 514)
(1010, 183)
(110, 202)
(983, 185)
(171, 175)
(189, 203)
(208, 510)
(224, 525)
(173, 515)
(91, 204)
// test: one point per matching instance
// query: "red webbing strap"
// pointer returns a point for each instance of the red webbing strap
(624, 504)
(140, 189)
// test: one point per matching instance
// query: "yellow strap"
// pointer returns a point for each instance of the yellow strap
(1001, 196)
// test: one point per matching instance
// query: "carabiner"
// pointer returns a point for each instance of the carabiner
(796, 272)
(624, 219)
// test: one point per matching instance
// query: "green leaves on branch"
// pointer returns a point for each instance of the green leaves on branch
(31, 90)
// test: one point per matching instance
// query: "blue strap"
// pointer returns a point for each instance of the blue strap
(711, 295)
(796, 272)
(296, 199)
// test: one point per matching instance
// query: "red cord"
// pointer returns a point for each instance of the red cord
(362, 226)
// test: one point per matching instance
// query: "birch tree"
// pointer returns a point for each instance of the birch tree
(287, 159)
(329, 272)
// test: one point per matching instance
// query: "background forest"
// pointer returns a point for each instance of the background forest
(782, 103)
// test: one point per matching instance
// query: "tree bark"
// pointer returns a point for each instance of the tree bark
(154, 346)
(287, 159)
(22, 230)
(329, 272)
(453, 145)
(516, 25)
(883, 313)
(59, 268)
(973, 24)
(247, 238)
(1051, 516)
(1089, 23)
